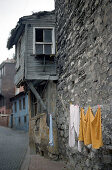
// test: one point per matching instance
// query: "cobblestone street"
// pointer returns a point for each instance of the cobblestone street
(13, 147)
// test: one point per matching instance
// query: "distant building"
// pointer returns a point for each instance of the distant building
(19, 118)
(7, 72)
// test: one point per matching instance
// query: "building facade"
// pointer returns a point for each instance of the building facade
(7, 72)
(19, 118)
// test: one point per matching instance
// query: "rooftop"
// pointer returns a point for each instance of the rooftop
(17, 31)
(7, 61)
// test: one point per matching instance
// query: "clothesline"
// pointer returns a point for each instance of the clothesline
(71, 102)
(83, 106)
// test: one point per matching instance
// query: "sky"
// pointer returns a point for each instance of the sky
(10, 12)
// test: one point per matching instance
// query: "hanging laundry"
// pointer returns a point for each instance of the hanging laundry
(51, 141)
(96, 130)
(71, 127)
(90, 128)
(74, 125)
(82, 129)
(87, 123)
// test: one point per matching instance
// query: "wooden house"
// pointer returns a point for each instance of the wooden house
(34, 40)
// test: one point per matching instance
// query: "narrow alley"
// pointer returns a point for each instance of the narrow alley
(56, 85)
(13, 147)
(14, 154)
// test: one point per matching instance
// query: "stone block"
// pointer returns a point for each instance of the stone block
(107, 159)
(110, 58)
(79, 167)
(61, 133)
(87, 162)
(110, 72)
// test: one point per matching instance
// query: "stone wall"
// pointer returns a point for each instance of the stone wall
(84, 57)
(40, 137)
(38, 128)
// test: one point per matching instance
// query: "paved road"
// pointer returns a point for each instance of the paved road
(38, 162)
(13, 147)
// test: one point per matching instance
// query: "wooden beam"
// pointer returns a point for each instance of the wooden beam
(37, 95)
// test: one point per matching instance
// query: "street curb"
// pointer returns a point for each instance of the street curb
(26, 162)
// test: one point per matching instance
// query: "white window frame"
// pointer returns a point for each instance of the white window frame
(53, 39)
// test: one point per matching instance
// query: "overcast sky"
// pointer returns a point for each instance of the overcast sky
(10, 12)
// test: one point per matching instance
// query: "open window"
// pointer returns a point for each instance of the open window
(2, 71)
(19, 120)
(24, 119)
(44, 41)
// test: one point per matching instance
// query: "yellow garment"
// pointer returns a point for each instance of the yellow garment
(85, 127)
(82, 125)
(96, 130)
(90, 128)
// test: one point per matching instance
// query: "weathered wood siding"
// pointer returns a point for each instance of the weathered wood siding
(20, 72)
(30, 67)
(35, 68)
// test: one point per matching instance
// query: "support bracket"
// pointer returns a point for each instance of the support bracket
(31, 86)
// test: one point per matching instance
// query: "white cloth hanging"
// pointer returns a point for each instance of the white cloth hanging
(71, 127)
(51, 141)
(74, 125)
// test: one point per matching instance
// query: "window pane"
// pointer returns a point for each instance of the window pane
(47, 35)
(39, 49)
(19, 104)
(19, 120)
(24, 119)
(39, 35)
(47, 49)
(15, 107)
(23, 103)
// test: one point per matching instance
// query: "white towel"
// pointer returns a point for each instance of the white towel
(76, 119)
(71, 127)
(51, 141)
(74, 125)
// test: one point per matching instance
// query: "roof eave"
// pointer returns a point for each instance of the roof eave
(15, 35)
